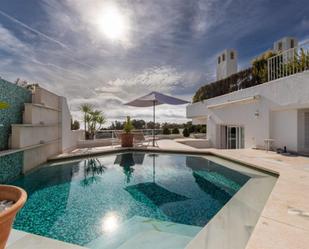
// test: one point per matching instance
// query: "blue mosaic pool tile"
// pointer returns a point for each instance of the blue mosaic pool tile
(10, 166)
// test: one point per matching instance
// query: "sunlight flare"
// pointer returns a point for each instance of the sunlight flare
(110, 222)
(113, 23)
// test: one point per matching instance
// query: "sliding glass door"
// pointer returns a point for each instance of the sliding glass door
(234, 137)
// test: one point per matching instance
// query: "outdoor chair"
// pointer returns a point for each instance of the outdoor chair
(140, 139)
(116, 140)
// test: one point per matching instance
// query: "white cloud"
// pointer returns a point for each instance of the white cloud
(163, 79)
(111, 97)
(9, 43)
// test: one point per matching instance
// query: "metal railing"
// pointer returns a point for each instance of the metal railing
(289, 62)
(102, 134)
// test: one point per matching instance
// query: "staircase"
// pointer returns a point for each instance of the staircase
(46, 129)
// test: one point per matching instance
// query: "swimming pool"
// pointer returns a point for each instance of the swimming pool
(112, 201)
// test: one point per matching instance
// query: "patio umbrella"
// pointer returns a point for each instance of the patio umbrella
(153, 99)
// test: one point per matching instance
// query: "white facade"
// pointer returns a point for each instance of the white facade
(226, 63)
(276, 110)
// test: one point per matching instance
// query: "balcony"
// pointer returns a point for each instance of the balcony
(289, 62)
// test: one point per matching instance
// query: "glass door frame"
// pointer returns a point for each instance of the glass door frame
(235, 136)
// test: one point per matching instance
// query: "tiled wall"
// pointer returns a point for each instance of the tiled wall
(15, 96)
(10, 166)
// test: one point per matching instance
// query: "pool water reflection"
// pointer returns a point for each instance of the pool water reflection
(81, 201)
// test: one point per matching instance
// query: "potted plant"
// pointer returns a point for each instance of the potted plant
(17, 197)
(127, 136)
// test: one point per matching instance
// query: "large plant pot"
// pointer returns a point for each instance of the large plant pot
(19, 196)
(127, 140)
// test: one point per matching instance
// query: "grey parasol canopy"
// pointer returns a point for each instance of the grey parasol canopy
(154, 99)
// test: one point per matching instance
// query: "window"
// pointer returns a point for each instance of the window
(219, 60)
(280, 46)
(232, 55)
(223, 57)
(292, 43)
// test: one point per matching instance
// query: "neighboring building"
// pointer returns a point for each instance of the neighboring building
(285, 43)
(277, 111)
(226, 63)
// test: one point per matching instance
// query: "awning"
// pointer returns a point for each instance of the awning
(238, 101)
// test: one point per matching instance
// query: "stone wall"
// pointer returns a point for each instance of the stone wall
(15, 96)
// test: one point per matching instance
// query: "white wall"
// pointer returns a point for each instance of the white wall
(256, 128)
(37, 155)
(29, 135)
(69, 138)
(302, 134)
(40, 114)
(284, 129)
(45, 97)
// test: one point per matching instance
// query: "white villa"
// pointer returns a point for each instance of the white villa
(274, 113)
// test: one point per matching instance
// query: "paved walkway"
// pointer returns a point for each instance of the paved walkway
(284, 222)
(23, 240)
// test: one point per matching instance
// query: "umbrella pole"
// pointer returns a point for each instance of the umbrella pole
(154, 123)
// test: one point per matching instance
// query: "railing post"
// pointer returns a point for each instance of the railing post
(268, 69)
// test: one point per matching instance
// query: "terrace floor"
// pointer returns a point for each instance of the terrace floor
(284, 222)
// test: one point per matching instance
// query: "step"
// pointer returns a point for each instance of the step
(137, 225)
(225, 184)
(40, 114)
(45, 97)
(24, 135)
(154, 239)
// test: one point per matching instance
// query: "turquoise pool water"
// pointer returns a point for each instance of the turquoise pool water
(104, 202)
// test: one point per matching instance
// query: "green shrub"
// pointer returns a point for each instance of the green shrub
(175, 131)
(75, 125)
(166, 131)
(239, 80)
(203, 129)
(260, 67)
(186, 132)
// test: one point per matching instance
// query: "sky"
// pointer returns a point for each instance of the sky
(106, 52)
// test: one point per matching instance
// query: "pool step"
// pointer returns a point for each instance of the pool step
(154, 239)
(220, 181)
(137, 229)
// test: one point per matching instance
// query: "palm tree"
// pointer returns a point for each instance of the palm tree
(101, 120)
(97, 118)
(94, 119)
(86, 109)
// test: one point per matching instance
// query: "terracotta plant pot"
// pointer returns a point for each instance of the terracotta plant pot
(127, 140)
(19, 196)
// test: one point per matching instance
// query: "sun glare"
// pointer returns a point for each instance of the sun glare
(113, 23)
(110, 222)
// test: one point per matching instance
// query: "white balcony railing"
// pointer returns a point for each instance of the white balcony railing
(111, 133)
(288, 62)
